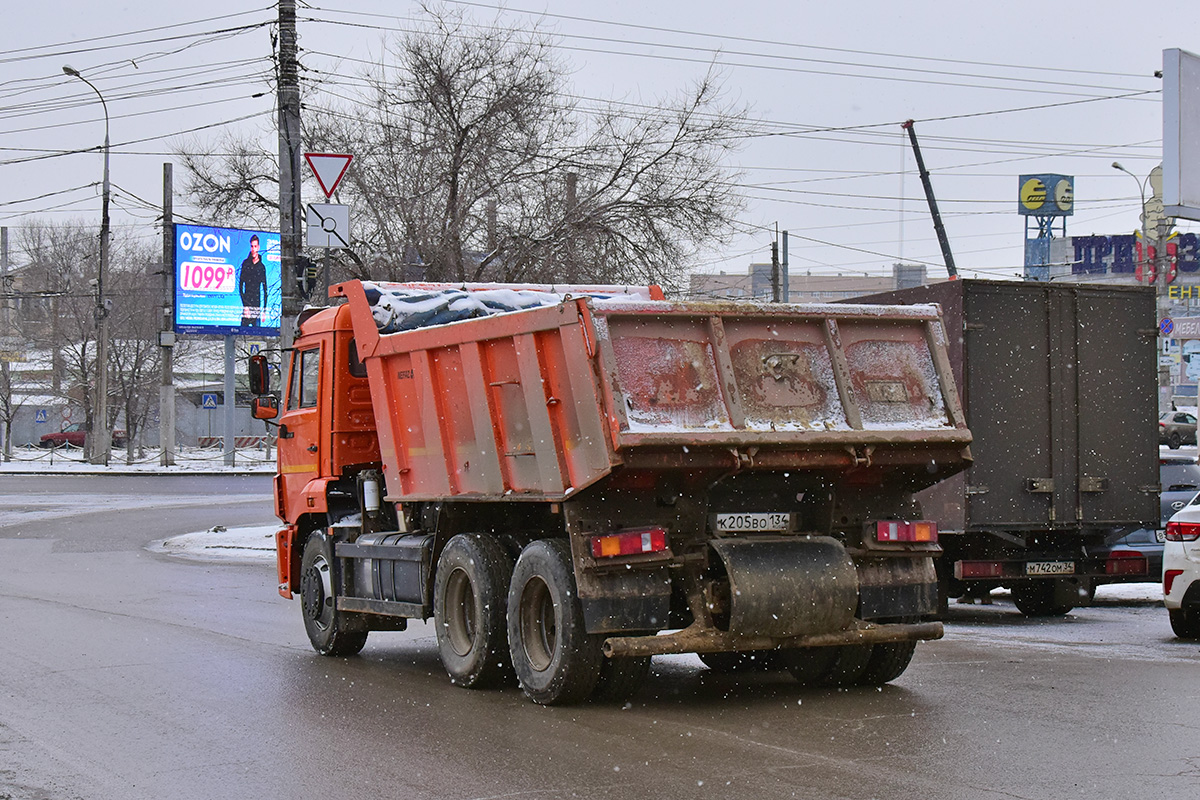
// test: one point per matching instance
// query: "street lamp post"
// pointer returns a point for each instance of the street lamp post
(1160, 260)
(1142, 191)
(101, 439)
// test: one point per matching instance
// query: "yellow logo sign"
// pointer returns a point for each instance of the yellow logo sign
(1064, 195)
(1033, 194)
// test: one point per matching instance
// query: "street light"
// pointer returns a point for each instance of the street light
(1142, 190)
(1160, 262)
(101, 439)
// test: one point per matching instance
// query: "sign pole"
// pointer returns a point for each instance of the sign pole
(166, 336)
(230, 420)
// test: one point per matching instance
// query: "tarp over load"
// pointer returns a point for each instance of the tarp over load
(405, 307)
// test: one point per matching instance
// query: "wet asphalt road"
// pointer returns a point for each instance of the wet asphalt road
(125, 674)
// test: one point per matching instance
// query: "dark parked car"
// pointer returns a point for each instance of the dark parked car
(74, 435)
(1138, 555)
(1176, 428)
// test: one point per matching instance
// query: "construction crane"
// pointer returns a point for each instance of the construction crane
(933, 209)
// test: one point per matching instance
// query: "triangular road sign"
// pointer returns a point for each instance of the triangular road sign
(329, 169)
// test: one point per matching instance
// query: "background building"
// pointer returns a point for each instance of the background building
(804, 287)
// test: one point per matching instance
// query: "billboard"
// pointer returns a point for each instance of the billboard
(1181, 134)
(1046, 195)
(227, 281)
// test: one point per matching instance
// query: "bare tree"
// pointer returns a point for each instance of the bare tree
(59, 290)
(239, 187)
(474, 163)
(134, 353)
(59, 294)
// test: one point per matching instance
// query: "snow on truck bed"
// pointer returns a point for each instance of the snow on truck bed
(405, 307)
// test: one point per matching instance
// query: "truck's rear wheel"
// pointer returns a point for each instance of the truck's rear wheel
(1040, 598)
(620, 679)
(332, 632)
(888, 662)
(809, 665)
(843, 665)
(556, 660)
(469, 596)
(746, 661)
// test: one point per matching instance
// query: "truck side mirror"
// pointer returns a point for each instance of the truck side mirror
(260, 379)
(265, 407)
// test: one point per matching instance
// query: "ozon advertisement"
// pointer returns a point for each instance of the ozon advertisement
(227, 281)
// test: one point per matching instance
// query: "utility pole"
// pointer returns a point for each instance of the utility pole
(4, 332)
(776, 288)
(166, 337)
(787, 288)
(289, 171)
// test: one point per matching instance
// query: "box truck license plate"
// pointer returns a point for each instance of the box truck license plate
(752, 522)
(1050, 568)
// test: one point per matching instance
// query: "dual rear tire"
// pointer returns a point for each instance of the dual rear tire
(849, 665)
(495, 619)
(469, 594)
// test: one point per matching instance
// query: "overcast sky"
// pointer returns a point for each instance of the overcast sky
(828, 83)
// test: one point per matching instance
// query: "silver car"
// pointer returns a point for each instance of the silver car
(1177, 428)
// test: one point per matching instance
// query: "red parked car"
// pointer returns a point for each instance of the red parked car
(74, 434)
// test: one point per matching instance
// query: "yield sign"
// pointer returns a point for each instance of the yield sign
(329, 169)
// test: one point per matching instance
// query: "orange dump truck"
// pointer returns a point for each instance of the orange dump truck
(570, 480)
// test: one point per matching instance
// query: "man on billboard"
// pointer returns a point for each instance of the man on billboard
(252, 286)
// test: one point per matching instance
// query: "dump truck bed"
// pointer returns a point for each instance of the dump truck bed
(539, 404)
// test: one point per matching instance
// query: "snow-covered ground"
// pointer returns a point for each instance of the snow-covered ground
(252, 545)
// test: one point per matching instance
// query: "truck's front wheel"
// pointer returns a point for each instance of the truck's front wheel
(556, 660)
(469, 596)
(332, 632)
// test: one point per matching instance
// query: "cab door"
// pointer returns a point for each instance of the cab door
(300, 439)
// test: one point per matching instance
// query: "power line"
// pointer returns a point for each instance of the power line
(23, 56)
(139, 141)
(723, 37)
(824, 72)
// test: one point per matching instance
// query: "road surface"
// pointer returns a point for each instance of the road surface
(129, 674)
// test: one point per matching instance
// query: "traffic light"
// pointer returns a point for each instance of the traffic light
(306, 275)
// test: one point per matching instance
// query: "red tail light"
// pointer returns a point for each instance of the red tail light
(978, 569)
(1183, 531)
(629, 543)
(900, 531)
(1169, 579)
(1126, 562)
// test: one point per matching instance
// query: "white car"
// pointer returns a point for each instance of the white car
(1181, 571)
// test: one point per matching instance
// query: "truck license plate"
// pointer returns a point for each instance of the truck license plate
(1050, 568)
(730, 523)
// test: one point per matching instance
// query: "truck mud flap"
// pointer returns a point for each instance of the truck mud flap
(783, 587)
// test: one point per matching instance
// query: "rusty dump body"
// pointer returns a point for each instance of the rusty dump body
(763, 442)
